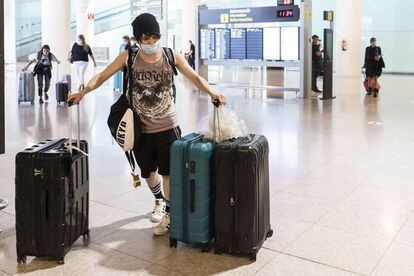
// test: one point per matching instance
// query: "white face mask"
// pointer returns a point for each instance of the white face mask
(373, 44)
(133, 43)
(151, 49)
(80, 42)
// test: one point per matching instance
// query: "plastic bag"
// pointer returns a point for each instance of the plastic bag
(227, 125)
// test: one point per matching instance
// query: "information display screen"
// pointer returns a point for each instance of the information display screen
(285, 13)
(207, 44)
(271, 43)
(254, 44)
(289, 41)
(285, 2)
(222, 43)
(238, 43)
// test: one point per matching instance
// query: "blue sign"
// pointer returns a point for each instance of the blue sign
(250, 15)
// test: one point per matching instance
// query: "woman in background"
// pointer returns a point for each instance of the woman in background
(373, 66)
(43, 70)
(79, 56)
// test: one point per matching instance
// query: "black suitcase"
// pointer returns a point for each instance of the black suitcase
(62, 91)
(52, 198)
(242, 211)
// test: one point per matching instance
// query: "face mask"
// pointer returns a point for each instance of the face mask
(80, 42)
(151, 49)
(373, 44)
(133, 43)
(126, 41)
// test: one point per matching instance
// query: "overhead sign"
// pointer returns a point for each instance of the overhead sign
(153, 7)
(250, 15)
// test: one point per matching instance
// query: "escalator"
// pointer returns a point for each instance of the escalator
(105, 21)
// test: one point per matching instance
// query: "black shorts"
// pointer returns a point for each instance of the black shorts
(153, 153)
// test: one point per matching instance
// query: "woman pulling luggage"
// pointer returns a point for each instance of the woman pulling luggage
(373, 66)
(43, 70)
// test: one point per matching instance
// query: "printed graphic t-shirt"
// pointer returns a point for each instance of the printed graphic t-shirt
(152, 95)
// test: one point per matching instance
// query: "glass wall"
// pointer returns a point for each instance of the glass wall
(391, 22)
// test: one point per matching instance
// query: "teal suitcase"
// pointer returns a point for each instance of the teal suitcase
(192, 194)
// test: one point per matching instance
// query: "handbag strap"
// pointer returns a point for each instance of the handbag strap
(131, 58)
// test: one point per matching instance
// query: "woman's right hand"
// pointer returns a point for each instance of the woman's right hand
(74, 99)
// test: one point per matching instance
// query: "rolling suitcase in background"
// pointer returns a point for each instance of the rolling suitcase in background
(67, 79)
(62, 91)
(242, 211)
(26, 86)
(191, 194)
(52, 198)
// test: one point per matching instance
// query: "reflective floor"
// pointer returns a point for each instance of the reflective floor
(341, 186)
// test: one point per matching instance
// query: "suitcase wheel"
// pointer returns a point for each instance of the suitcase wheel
(269, 234)
(21, 260)
(86, 236)
(253, 257)
(61, 261)
(205, 247)
(173, 243)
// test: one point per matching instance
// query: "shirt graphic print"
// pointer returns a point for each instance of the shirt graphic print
(153, 95)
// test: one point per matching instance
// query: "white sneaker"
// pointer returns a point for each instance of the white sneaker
(159, 210)
(164, 227)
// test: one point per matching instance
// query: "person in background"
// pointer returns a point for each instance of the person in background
(120, 77)
(79, 56)
(373, 66)
(43, 70)
(191, 55)
(125, 44)
(153, 102)
(316, 62)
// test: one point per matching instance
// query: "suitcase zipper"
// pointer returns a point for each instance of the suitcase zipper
(232, 202)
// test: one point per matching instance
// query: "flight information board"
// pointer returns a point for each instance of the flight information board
(222, 43)
(271, 44)
(254, 44)
(207, 44)
(238, 43)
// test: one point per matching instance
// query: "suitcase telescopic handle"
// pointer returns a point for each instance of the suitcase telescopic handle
(70, 104)
(216, 121)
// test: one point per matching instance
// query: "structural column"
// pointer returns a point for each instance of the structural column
(348, 30)
(85, 19)
(305, 48)
(10, 38)
(56, 30)
(189, 23)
